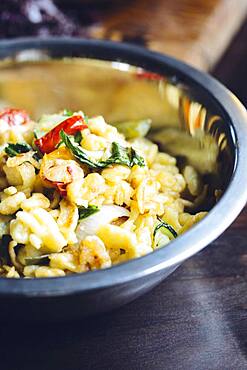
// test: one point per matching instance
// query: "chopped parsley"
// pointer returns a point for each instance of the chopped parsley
(87, 211)
(67, 112)
(14, 149)
(38, 260)
(78, 137)
(166, 229)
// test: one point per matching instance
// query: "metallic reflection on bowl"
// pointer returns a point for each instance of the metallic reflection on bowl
(180, 125)
(194, 118)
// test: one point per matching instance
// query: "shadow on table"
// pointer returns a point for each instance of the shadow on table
(196, 319)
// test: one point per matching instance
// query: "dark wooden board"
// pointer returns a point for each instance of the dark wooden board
(196, 31)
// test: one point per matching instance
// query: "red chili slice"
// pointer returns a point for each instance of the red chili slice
(14, 117)
(70, 126)
(61, 187)
(145, 75)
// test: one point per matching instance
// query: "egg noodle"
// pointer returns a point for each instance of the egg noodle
(78, 194)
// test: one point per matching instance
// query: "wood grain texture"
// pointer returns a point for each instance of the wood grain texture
(196, 319)
(195, 31)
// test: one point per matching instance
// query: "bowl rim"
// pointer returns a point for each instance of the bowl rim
(200, 235)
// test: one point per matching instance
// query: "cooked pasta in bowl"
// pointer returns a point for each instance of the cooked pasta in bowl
(78, 194)
(116, 165)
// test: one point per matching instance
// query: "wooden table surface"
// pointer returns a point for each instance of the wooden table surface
(196, 319)
(186, 29)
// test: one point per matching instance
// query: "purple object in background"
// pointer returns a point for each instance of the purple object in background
(34, 17)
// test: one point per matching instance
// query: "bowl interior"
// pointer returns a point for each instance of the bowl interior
(184, 122)
(194, 118)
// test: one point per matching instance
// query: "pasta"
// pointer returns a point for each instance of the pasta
(76, 194)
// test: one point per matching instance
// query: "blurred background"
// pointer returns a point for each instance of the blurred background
(196, 31)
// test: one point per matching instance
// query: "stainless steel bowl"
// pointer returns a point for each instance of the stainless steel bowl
(194, 117)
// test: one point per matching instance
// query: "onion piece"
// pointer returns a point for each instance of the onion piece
(107, 214)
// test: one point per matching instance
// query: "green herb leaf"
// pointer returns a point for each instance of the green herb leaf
(13, 149)
(37, 156)
(120, 155)
(67, 112)
(38, 260)
(4, 250)
(86, 212)
(125, 156)
(78, 137)
(86, 119)
(165, 229)
(77, 152)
